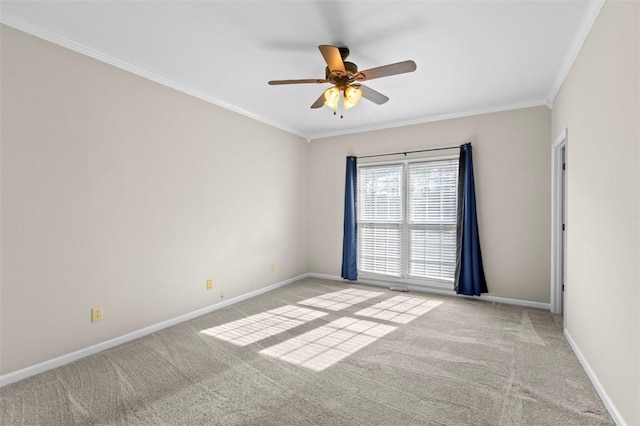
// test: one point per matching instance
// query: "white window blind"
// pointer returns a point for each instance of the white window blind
(381, 193)
(431, 239)
(380, 217)
(407, 219)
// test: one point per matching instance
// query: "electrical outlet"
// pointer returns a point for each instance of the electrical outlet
(209, 284)
(272, 268)
(221, 295)
(96, 314)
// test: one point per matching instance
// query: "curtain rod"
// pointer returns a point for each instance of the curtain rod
(409, 152)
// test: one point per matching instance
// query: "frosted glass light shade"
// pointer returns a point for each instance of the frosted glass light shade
(332, 97)
(352, 96)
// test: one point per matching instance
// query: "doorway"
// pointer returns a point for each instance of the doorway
(559, 224)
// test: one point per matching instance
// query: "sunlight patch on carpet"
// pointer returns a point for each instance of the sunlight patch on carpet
(324, 346)
(257, 327)
(400, 309)
(342, 299)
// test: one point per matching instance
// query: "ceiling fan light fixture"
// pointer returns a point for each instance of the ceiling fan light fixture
(352, 96)
(332, 97)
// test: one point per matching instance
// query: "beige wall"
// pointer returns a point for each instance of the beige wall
(598, 104)
(122, 193)
(512, 161)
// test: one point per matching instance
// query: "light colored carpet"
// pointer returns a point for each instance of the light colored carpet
(460, 362)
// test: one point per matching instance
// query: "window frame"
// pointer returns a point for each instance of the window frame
(405, 226)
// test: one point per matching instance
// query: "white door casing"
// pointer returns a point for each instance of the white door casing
(558, 216)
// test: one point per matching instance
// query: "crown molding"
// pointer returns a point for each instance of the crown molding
(67, 43)
(75, 46)
(595, 6)
(429, 119)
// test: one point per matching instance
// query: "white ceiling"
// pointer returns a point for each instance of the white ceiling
(472, 56)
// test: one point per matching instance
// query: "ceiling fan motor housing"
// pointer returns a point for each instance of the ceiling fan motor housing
(350, 67)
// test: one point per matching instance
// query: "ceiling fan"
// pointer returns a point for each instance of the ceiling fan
(345, 77)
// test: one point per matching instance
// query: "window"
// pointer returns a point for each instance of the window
(407, 219)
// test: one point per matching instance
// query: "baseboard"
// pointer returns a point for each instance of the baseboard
(16, 376)
(517, 302)
(434, 290)
(611, 407)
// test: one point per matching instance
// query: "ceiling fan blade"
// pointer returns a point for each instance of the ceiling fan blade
(372, 95)
(319, 102)
(307, 80)
(386, 70)
(332, 57)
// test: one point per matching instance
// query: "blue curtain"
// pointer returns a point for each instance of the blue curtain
(349, 245)
(469, 278)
